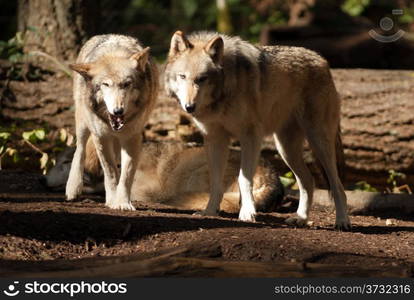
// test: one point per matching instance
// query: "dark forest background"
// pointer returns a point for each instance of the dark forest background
(154, 21)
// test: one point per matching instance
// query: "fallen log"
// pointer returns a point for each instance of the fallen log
(364, 202)
(192, 261)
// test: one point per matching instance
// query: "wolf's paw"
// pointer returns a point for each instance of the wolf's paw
(110, 198)
(120, 205)
(247, 215)
(109, 202)
(343, 224)
(212, 213)
(296, 221)
(73, 188)
(72, 194)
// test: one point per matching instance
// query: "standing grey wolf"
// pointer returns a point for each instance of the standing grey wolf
(235, 89)
(174, 174)
(115, 88)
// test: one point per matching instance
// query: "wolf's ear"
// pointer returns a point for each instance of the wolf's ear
(82, 69)
(215, 48)
(141, 58)
(179, 43)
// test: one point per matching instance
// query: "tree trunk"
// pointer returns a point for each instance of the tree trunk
(57, 27)
(223, 17)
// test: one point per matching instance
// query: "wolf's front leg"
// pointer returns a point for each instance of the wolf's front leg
(217, 154)
(130, 152)
(74, 184)
(107, 158)
(250, 152)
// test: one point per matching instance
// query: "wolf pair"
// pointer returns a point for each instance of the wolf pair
(232, 89)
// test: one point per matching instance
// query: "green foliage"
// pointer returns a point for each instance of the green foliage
(275, 18)
(249, 22)
(37, 136)
(155, 21)
(189, 7)
(12, 50)
(63, 140)
(34, 136)
(408, 16)
(19, 69)
(365, 187)
(394, 177)
(5, 149)
(355, 7)
(4, 138)
(288, 179)
(18, 146)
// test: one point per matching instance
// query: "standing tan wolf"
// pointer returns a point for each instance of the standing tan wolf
(235, 89)
(115, 88)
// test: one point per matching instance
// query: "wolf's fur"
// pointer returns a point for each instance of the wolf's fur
(114, 87)
(235, 89)
(176, 175)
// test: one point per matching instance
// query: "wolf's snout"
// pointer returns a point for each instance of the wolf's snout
(118, 111)
(117, 118)
(190, 108)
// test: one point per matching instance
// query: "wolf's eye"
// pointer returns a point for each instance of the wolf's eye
(126, 84)
(201, 79)
(182, 76)
(105, 84)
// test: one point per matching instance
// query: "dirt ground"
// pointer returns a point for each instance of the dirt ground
(39, 225)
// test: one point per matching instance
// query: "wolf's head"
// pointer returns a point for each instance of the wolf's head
(194, 71)
(115, 80)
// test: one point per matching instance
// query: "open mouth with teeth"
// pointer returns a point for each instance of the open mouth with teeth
(117, 122)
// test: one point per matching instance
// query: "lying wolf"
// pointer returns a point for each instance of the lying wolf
(175, 174)
(234, 89)
(115, 87)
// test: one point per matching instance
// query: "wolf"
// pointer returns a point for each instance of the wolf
(115, 87)
(175, 174)
(232, 88)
